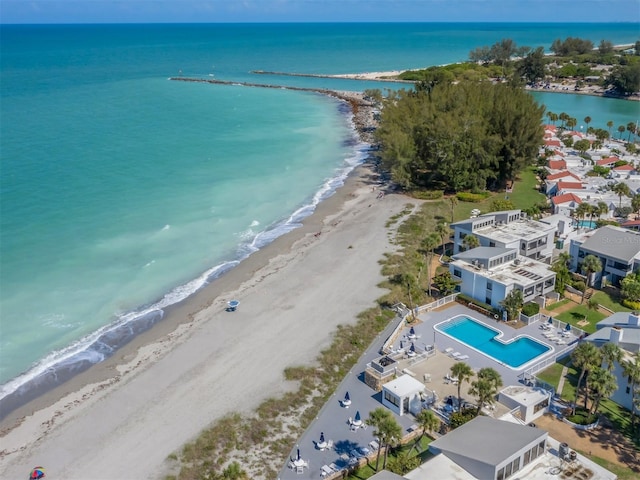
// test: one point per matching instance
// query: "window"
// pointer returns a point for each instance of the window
(457, 273)
(580, 253)
(492, 244)
(489, 286)
(541, 405)
(523, 246)
(628, 390)
(487, 300)
(391, 399)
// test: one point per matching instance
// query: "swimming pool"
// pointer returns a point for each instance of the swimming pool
(515, 353)
(586, 224)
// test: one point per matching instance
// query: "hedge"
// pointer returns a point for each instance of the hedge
(427, 194)
(530, 309)
(472, 197)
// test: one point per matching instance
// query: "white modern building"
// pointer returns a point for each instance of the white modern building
(507, 229)
(623, 329)
(489, 274)
(617, 248)
(402, 395)
(530, 402)
(489, 449)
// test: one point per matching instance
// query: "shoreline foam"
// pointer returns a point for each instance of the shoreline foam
(60, 366)
(140, 402)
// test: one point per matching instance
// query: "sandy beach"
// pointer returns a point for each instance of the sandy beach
(122, 418)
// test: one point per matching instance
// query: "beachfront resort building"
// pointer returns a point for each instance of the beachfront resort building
(507, 229)
(623, 329)
(489, 274)
(489, 449)
(617, 248)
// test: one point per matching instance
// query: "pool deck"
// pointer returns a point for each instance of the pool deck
(333, 418)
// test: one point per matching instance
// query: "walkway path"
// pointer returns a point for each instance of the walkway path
(563, 376)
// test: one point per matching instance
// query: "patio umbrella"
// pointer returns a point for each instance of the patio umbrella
(321, 437)
(550, 321)
(412, 331)
(413, 348)
(357, 417)
(347, 398)
(36, 472)
(568, 327)
(233, 304)
(298, 458)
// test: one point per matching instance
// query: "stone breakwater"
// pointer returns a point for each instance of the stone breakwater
(364, 111)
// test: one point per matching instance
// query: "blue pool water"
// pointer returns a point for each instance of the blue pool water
(478, 336)
(586, 224)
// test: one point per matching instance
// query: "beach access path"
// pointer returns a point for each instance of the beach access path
(163, 394)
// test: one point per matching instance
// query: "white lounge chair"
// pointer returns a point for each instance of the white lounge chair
(455, 355)
(463, 357)
(448, 350)
(374, 445)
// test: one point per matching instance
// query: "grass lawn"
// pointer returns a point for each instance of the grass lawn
(623, 473)
(525, 194)
(577, 314)
(368, 470)
(556, 305)
(606, 300)
(620, 417)
(551, 375)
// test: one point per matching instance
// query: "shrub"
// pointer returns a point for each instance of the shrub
(472, 197)
(427, 194)
(582, 417)
(631, 304)
(579, 285)
(530, 309)
(460, 418)
(466, 300)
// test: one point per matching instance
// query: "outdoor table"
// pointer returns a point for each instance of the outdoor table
(322, 445)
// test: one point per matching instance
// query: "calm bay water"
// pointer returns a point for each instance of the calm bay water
(122, 192)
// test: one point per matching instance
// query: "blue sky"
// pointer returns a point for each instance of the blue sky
(171, 11)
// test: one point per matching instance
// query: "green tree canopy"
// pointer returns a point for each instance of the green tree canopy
(459, 137)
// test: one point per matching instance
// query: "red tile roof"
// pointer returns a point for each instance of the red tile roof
(553, 128)
(557, 164)
(556, 176)
(552, 143)
(569, 185)
(626, 168)
(567, 197)
(607, 161)
(630, 223)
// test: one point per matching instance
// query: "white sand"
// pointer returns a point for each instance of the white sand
(125, 427)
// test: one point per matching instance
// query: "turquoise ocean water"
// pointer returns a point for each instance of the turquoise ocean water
(123, 193)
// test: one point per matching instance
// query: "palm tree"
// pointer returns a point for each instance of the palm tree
(621, 130)
(376, 419)
(635, 203)
(631, 370)
(610, 125)
(611, 353)
(428, 422)
(592, 304)
(563, 118)
(603, 384)
(587, 120)
(586, 357)
(443, 231)
(591, 265)
(390, 433)
(631, 128)
(470, 241)
(428, 244)
(621, 189)
(602, 208)
(386, 429)
(486, 387)
(463, 373)
(571, 122)
(581, 210)
(454, 201)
